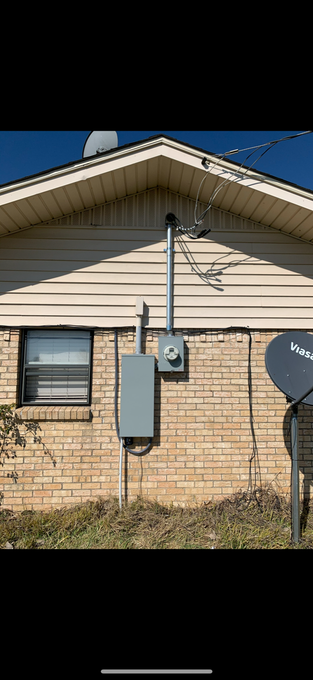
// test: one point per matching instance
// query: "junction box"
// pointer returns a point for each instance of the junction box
(137, 395)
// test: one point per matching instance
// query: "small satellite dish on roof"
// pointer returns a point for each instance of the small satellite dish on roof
(99, 142)
(289, 363)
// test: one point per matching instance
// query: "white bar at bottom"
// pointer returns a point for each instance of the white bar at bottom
(153, 670)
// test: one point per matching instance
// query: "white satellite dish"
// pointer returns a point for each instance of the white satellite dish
(99, 142)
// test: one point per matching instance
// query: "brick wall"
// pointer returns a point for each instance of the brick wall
(216, 428)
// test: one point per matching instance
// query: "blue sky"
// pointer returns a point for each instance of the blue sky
(24, 153)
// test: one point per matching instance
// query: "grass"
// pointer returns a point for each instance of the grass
(259, 520)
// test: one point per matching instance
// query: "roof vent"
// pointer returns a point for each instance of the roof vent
(99, 142)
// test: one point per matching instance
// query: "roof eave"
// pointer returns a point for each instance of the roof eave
(150, 142)
(20, 198)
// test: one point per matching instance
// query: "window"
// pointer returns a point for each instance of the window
(56, 367)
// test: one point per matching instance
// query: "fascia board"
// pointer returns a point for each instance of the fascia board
(71, 175)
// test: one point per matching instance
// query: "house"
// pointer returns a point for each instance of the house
(81, 246)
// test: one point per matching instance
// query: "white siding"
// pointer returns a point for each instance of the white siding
(88, 268)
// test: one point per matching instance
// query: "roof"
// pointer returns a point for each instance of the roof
(157, 161)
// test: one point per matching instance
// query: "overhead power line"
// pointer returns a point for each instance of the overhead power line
(259, 146)
(269, 146)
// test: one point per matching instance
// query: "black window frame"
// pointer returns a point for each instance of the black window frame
(23, 401)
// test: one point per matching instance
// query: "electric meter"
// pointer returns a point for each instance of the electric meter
(171, 353)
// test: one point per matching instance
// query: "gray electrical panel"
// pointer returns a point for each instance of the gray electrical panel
(137, 395)
(171, 353)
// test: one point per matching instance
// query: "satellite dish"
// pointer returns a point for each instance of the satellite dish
(99, 142)
(289, 363)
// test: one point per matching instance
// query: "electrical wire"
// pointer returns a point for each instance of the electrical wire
(258, 146)
(175, 222)
(270, 145)
(229, 181)
(199, 220)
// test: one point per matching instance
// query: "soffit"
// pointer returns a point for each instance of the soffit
(162, 162)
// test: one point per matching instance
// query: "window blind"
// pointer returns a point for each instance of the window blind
(57, 366)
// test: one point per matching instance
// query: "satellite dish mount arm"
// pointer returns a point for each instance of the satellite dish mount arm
(297, 401)
(295, 473)
(295, 466)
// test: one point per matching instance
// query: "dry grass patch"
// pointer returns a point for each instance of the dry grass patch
(259, 520)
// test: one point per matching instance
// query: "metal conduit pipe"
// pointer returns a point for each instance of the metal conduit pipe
(170, 221)
(116, 422)
(120, 475)
(139, 314)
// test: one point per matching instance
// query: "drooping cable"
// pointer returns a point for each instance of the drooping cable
(175, 222)
(232, 181)
(139, 453)
(270, 145)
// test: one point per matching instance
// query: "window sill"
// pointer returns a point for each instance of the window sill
(53, 413)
